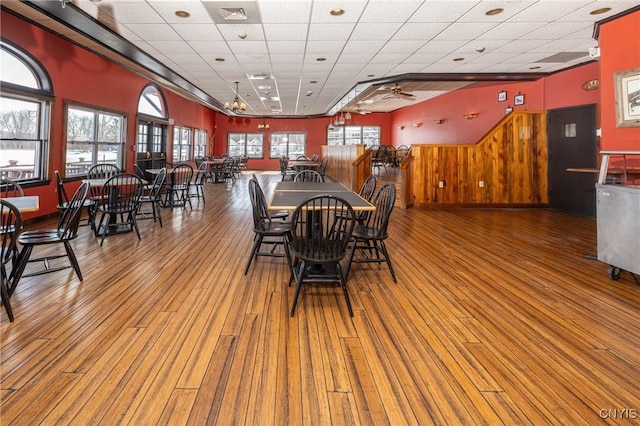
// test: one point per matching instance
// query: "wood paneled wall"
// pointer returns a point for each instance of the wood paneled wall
(510, 160)
(341, 164)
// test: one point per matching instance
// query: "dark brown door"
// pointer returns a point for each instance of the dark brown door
(572, 144)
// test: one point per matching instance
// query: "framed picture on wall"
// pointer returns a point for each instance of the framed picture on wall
(518, 99)
(627, 92)
(507, 110)
(502, 96)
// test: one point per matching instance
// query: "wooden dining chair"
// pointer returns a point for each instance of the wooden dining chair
(308, 176)
(153, 197)
(369, 238)
(120, 200)
(64, 233)
(266, 230)
(10, 188)
(63, 200)
(321, 228)
(10, 228)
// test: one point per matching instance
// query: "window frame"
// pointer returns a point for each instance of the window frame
(287, 153)
(200, 142)
(95, 144)
(245, 146)
(332, 130)
(42, 97)
(189, 144)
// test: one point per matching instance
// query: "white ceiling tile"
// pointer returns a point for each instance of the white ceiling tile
(420, 60)
(287, 32)
(197, 32)
(171, 46)
(232, 32)
(353, 10)
(442, 10)
(167, 10)
(281, 60)
(330, 31)
(510, 31)
(442, 46)
(463, 31)
(363, 46)
(286, 47)
(284, 12)
(372, 31)
(389, 58)
(154, 31)
(321, 47)
(555, 30)
(547, 10)
(130, 12)
(246, 46)
(185, 58)
(402, 46)
(419, 31)
(211, 47)
(390, 10)
(478, 13)
(355, 58)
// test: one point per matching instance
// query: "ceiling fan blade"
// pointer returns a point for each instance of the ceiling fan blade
(406, 95)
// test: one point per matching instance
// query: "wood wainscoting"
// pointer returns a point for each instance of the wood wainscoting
(507, 167)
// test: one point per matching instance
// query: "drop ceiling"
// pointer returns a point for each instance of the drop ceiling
(295, 58)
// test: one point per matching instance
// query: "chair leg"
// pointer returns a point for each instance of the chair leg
(72, 258)
(257, 242)
(354, 244)
(385, 253)
(343, 284)
(134, 223)
(299, 277)
(154, 207)
(4, 294)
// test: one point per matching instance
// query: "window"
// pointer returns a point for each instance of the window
(249, 144)
(288, 144)
(93, 136)
(151, 102)
(24, 116)
(200, 143)
(181, 144)
(353, 135)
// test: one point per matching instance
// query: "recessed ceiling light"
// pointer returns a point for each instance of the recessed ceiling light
(370, 75)
(535, 68)
(337, 12)
(182, 14)
(600, 11)
(219, 59)
(321, 59)
(313, 81)
(495, 11)
(458, 59)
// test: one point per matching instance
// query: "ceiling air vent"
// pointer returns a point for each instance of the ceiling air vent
(233, 13)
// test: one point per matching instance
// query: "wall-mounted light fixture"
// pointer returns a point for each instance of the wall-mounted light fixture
(263, 126)
(401, 127)
(591, 85)
(439, 121)
(419, 124)
(471, 116)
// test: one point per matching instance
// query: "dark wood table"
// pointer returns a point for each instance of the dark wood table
(288, 195)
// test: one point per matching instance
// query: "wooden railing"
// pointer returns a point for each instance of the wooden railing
(508, 166)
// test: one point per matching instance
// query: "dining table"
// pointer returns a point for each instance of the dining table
(289, 195)
(27, 203)
(299, 165)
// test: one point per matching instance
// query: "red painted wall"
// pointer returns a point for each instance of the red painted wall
(619, 42)
(82, 77)
(564, 89)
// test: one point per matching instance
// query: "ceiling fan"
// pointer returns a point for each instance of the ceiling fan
(396, 91)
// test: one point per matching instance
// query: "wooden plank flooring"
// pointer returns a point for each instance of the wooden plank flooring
(497, 318)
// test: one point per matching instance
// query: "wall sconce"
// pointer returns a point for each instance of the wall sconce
(439, 121)
(417, 124)
(591, 85)
(471, 116)
(401, 127)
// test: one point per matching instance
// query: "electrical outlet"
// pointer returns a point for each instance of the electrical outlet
(441, 184)
(481, 184)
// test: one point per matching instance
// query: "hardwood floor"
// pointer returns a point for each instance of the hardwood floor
(497, 318)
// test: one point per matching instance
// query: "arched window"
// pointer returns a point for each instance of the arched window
(24, 115)
(151, 143)
(152, 103)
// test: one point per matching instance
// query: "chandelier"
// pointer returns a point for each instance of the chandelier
(236, 106)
